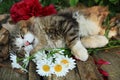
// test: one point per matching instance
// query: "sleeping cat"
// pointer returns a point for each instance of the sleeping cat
(78, 29)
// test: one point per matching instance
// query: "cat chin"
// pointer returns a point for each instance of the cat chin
(28, 49)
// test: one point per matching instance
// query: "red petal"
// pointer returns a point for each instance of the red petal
(118, 52)
(48, 10)
(104, 73)
(101, 62)
(25, 9)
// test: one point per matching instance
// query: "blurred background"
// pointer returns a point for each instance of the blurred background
(114, 5)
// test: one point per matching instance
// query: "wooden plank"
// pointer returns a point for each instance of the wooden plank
(88, 70)
(4, 35)
(113, 56)
(32, 72)
(7, 73)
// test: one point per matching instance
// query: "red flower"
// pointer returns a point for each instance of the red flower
(25, 9)
(48, 10)
(102, 62)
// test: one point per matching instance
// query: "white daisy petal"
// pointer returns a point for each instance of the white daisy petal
(59, 70)
(68, 62)
(14, 63)
(40, 56)
(44, 69)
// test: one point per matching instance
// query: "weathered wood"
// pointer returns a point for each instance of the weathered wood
(7, 73)
(4, 35)
(113, 56)
(32, 72)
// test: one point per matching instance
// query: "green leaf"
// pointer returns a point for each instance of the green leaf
(73, 2)
(96, 1)
(54, 1)
(114, 1)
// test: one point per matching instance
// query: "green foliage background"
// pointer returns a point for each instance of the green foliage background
(114, 5)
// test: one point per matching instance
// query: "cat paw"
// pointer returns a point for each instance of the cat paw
(82, 56)
(94, 41)
(80, 52)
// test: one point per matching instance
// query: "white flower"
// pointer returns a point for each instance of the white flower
(54, 62)
(44, 69)
(57, 55)
(61, 52)
(14, 63)
(68, 62)
(59, 70)
(40, 56)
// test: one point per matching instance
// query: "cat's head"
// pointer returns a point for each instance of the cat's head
(22, 37)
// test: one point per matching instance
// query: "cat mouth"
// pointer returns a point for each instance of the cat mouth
(27, 43)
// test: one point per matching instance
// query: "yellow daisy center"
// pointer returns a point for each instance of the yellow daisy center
(46, 68)
(64, 61)
(58, 68)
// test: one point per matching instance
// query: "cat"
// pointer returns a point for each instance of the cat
(80, 29)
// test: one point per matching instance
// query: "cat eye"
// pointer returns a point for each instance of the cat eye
(22, 36)
(23, 46)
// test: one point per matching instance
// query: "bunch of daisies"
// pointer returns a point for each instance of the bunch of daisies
(51, 61)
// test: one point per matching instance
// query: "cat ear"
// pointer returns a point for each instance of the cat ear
(31, 20)
(25, 23)
(10, 25)
(30, 23)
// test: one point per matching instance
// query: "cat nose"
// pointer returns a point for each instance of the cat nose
(27, 43)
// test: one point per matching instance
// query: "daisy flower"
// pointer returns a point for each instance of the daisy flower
(40, 56)
(54, 62)
(68, 62)
(59, 70)
(57, 55)
(44, 69)
(14, 63)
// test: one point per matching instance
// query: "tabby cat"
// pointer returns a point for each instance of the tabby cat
(78, 29)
